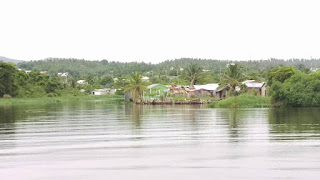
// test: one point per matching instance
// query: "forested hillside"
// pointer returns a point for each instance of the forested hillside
(81, 68)
(6, 60)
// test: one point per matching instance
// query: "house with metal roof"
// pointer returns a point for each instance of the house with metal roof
(207, 90)
(156, 91)
(256, 87)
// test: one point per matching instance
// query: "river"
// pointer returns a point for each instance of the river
(92, 141)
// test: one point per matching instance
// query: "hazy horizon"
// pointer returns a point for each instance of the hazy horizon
(155, 62)
(145, 31)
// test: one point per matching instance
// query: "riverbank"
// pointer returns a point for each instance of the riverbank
(243, 101)
(102, 99)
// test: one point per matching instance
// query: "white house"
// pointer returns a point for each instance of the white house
(145, 79)
(82, 81)
(106, 91)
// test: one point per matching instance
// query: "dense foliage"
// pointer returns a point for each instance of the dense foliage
(33, 84)
(8, 81)
(81, 69)
(300, 90)
(232, 77)
(242, 101)
(136, 86)
(290, 83)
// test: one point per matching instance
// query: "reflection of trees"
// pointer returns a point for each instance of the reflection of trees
(234, 122)
(234, 118)
(7, 114)
(294, 120)
(14, 113)
(186, 113)
(136, 113)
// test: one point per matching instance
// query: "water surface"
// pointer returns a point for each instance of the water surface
(90, 141)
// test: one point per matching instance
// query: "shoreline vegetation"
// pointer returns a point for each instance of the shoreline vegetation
(243, 101)
(102, 99)
(220, 84)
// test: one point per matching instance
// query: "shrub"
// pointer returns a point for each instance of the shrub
(7, 96)
(52, 95)
(119, 92)
(242, 101)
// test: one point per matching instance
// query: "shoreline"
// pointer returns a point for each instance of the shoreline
(102, 99)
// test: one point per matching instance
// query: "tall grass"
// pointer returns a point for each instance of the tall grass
(242, 101)
(103, 99)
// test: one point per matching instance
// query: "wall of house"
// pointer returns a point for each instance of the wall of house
(156, 92)
(191, 94)
(258, 91)
(127, 96)
(203, 93)
(222, 94)
(254, 91)
(264, 91)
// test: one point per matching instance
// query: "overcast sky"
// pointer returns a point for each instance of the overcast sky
(154, 31)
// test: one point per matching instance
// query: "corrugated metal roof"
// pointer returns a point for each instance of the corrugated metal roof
(248, 81)
(254, 84)
(220, 88)
(209, 87)
(152, 86)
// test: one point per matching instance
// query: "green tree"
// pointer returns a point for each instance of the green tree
(106, 81)
(208, 77)
(232, 77)
(136, 86)
(280, 74)
(8, 81)
(300, 90)
(193, 73)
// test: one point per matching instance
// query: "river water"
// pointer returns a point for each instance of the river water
(92, 141)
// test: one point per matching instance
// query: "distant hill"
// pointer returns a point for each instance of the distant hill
(15, 61)
(83, 68)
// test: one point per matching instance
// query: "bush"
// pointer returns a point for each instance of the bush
(119, 92)
(52, 95)
(30, 91)
(70, 92)
(242, 101)
(7, 96)
(300, 90)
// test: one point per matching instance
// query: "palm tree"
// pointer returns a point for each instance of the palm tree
(136, 86)
(192, 73)
(233, 76)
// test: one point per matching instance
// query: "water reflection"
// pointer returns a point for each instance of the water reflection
(77, 140)
(294, 120)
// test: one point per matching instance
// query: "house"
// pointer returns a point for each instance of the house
(190, 92)
(145, 79)
(43, 72)
(27, 71)
(314, 69)
(106, 91)
(222, 92)
(82, 81)
(63, 76)
(207, 90)
(127, 96)
(256, 87)
(177, 91)
(156, 91)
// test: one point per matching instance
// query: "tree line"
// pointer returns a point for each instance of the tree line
(291, 83)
